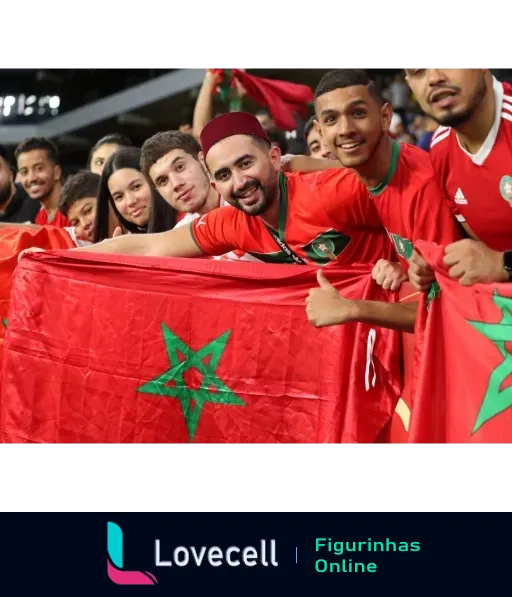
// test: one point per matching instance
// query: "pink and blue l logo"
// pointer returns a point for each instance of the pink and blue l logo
(116, 573)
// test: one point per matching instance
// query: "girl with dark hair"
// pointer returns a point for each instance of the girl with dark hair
(103, 149)
(126, 191)
(98, 157)
(163, 216)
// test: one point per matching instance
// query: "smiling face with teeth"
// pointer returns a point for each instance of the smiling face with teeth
(245, 172)
(449, 95)
(353, 123)
(38, 174)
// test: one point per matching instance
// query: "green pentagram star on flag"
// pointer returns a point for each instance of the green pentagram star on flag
(497, 400)
(192, 400)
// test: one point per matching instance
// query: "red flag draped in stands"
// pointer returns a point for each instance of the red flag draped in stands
(134, 349)
(463, 382)
(282, 98)
(13, 240)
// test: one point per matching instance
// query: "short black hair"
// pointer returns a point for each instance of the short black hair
(3, 153)
(278, 138)
(115, 139)
(34, 143)
(78, 186)
(347, 77)
(309, 127)
(261, 141)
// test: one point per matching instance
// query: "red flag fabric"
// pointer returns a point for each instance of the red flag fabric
(13, 240)
(399, 433)
(134, 349)
(282, 98)
(463, 362)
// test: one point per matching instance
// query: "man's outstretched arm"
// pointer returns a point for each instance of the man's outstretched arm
(178, 242)
(306, 164)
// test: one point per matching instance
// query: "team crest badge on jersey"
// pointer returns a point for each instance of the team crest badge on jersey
(403, 246)
(327, 247)
(506, 188)
(324, 248)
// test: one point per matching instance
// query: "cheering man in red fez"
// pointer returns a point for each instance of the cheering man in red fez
(279, 218)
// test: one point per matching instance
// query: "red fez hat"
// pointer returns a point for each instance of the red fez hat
(227, 125)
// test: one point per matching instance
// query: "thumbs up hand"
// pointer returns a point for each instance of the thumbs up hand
(325, 306)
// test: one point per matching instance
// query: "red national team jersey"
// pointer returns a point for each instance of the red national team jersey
(59, 220)
(479, 186)
(325, 217)
(410, 203)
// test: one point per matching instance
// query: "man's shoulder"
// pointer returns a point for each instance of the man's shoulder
(224, 215)
(441, 141)
(417, 162)
(186, 219)
(336, 179)
(22, 208)
(507, 91)
(420, 179)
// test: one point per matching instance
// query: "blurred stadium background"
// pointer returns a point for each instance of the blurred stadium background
(77, 107)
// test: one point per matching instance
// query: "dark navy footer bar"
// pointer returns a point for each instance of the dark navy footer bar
(263, 554)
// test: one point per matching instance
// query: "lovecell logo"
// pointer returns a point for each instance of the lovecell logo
(116, 572)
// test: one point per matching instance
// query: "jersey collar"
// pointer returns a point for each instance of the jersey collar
(483, 153)
(395, 153)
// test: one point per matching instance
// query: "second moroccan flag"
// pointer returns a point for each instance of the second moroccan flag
(463, 372)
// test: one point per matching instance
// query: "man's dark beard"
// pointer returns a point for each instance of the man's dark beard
(5, 194)
(259, 208)
(454, 119)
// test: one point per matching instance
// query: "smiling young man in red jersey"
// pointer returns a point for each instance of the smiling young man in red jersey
(293, 210)
(471, 154)
(354, 122)
(278, 218)
(40, 175)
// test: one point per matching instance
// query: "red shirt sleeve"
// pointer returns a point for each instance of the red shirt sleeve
(439, 167)
(214, 232)
(347, 202)
(431, 218)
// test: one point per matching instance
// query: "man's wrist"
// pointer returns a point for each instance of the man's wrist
(351, 310)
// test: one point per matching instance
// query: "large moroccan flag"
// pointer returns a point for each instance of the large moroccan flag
(463, 369)
(133, 349)
(13, 240)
